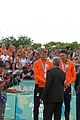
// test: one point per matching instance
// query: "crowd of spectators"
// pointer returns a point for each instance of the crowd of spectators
(22, 60)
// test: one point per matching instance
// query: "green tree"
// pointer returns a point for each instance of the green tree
(22, 40)
(36, 45)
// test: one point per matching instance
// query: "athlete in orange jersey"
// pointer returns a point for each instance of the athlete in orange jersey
(68, 67)
(40, 68)
(3, 48)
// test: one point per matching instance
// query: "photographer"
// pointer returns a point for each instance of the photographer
(3, 96)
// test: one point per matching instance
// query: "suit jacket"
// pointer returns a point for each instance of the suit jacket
(77, 83)
(54, 88)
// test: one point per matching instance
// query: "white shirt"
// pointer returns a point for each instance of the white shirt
(4, 58)
(23, 61)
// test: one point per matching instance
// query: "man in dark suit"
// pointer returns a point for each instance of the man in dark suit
(53, 93)
(77, 89)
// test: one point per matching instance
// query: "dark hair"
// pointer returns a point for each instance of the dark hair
(43, 50)
(7, 61)
(12, 64)
(67, 47)
(63, 51)
(1, 63)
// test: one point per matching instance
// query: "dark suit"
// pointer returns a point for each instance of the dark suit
(77, 89)
(53, 93)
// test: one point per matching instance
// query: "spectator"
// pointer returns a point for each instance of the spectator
(35, 56)
(7, 66)
(53, 49)
(38, 50)
(51, 56)
(23, 59)
(13, 67)
(20, 51)
(3, 95)
(16, 60)
(57, 53)
(76, 62)
(10, 50)
(32, 48)
(20, 70)
(5, 56)
(3, 47)
(28, 73)
(46, 47)
(28, 51)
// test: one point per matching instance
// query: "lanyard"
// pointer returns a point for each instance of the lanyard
(44, 66)
(64, 66)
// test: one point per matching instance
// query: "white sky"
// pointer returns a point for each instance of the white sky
(41, 20)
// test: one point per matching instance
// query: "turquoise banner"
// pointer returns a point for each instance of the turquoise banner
(20, 106)
(24, 108)
(27, 86)
(10, 107)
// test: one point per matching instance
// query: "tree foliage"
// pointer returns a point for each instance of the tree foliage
(21, 40)
(26, 42)
(63, 45)
(37, 45)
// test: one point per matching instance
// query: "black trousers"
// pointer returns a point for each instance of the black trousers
(53, 107)
(78, 107)
(67, 99)
(37, 95)
(2, 111)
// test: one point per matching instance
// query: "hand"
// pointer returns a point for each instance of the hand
(66, 85)
(41, 101)
(28, 74)
(12, 90)
(20, 91)
(8, 80)
(15, 91)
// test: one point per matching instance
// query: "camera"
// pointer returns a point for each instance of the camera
(14, 80)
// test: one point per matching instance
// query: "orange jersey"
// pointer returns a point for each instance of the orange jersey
(2, 50)
(39, 72)
(9, 53)
(69, 69)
